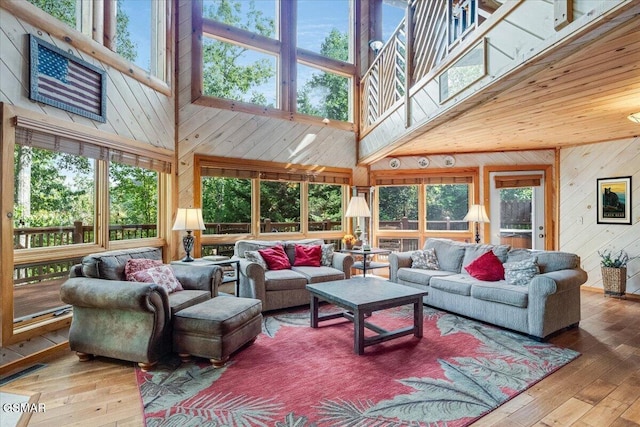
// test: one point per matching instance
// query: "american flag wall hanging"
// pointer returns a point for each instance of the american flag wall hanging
(61, 80)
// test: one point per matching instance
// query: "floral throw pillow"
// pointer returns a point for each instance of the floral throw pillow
(254, 256)
(161, 275)
(520, 273)
(425, 260)
(135, 265)
(327, 255)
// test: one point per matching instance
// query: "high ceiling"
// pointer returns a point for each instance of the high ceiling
(582, 94)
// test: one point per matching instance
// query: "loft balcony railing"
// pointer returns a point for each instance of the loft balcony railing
(429, 31)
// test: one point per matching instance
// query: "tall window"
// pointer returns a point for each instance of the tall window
(325, 207)
(226, 205)
(279, 206)
(307, 71)
(446, 206)
(398, 207)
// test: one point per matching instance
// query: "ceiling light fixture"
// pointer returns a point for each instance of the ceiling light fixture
(635, 117)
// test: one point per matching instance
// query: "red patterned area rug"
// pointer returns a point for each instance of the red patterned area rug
(294, 375)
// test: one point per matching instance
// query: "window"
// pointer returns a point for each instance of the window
(135, 29)
(325, 207)
(309, 72)
(133, 202)
(226, 205)
(279, 206)
(398, 207)
(446, 206)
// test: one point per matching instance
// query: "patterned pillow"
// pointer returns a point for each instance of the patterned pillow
(425, 260)
(254, 256)
(327, 255)
(135, 265)
(161, 275)
(520, 273)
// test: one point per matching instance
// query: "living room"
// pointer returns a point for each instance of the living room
(165, 119)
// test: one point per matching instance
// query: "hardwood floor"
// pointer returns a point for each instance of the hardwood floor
(600, 388)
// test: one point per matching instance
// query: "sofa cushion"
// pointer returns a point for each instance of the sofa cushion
(425, 259)
(449, 253)
(135, 265)
(473, 251)
(308, 255)
(252, 245)
(459, 284)
(501, 292)
(420, 276)
(276, 258)
(290, 246)
(520, 273)
(327, 254)
(319, 274)
(110, 264)
(486, 267)
(281, 280)
(254, 256)
(187, 298)
(547, 260)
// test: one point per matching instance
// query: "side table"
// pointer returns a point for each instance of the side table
(223, 262)
(365, 265)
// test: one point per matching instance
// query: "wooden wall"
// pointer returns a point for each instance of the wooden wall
(216, 132)
(134, 110)
(579, 231)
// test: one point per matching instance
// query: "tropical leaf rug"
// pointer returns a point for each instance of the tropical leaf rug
(294, 375)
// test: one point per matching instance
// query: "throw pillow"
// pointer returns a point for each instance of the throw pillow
(327, 255)
(486, 267)
(308, 255)
(275, 257)
(254, 256)
(425, 259)
(135, 265)
(161, 275)
(520, 273)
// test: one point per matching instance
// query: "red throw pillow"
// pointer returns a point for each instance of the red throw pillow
(136, 265)
(486, 267)
(275, 257)
(309, 255)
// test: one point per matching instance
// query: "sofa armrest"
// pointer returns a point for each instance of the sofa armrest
(199, 277)
(343, 262)
(252, 281)
(398, 260)
(546, 284)
(115, 294)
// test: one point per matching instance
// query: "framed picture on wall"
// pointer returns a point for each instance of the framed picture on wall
(614, 200)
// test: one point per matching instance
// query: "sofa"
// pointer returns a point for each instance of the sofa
(544, 300)
(286, 287)
(129, 320)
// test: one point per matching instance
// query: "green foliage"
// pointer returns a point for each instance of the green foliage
(280, 201)
(326, 94)
(447, 200)
(64, 10)
(226, 200)
(607, 259)
(133, 195)
(124, 45)
(325, 202)
(523, 194)
(397, 202)
(224, 73)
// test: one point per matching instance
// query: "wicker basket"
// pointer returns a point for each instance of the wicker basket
(614, 281)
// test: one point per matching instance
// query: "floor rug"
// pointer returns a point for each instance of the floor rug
(294, 375)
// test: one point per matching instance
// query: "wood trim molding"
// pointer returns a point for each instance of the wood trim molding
(24, 362)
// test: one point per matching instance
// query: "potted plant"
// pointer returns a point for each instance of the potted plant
(614, 272)
(348, 240)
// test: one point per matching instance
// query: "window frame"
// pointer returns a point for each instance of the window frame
(13, 117)
(304, 174)
(288, 56)
(421, 178)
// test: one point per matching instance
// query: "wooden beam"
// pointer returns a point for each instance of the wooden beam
(562, 13)
(239, 36)
(197, 81)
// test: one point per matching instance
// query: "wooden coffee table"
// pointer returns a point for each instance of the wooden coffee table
(362, 295)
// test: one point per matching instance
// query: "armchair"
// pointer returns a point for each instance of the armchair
(126, 320)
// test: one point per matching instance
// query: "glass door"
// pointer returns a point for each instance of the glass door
(517, 209)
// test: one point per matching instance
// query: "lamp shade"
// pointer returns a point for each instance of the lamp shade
(189, 219)
(476, 213)
(358, 208)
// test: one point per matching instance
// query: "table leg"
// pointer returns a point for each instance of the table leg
(314, 311)
(418, 324)
(364, 265)
(358, 334)
(237, 279)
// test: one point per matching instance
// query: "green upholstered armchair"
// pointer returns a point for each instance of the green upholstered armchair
(126, 320)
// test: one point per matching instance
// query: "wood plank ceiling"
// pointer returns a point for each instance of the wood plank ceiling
(582, 98)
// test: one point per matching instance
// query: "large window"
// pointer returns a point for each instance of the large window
(446, 206)
(325, 207)
(277, 55)
(226, 205)
(398, 207)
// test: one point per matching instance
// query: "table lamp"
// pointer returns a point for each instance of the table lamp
(477, 214)
(188, 219)
(358, 208)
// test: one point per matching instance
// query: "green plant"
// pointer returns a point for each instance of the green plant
(608, 260)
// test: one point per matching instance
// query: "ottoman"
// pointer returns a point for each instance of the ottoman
(216, 328)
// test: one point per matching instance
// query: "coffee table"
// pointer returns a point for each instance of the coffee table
(360, 296)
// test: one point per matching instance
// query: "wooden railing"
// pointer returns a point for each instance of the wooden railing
(414, 50)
